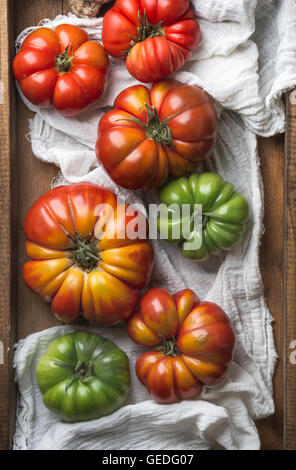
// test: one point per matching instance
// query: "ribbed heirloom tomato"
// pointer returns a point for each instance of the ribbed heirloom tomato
(224, 213)
(193, 344)
(83, 376)
(155, 36)
(61, 68)
(151, 134)
(83, 259)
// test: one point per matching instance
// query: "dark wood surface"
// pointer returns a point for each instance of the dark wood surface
(272, 158)
(24, 178)
(34, 178)
(290, 275)
(7, 237)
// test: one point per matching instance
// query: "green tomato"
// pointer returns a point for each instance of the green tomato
(224, 215)
(83, 376)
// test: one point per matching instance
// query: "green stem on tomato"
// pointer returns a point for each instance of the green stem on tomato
(63, 61)
(155, 129)
(145, 30)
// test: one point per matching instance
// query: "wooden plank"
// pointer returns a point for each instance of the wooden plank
(19, 170)
(290, 275)
(7, 236)
(271, 152)
(8, 301)
(33, 315)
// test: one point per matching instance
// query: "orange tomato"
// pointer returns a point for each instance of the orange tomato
(82, 258)
(61, 68)
(193, 344)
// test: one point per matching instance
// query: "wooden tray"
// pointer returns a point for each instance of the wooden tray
(24, 178)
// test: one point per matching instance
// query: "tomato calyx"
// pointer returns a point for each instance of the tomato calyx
(155, 129)
(83, 371)
(63, 62)
(85, 252)
(145, 30)
(169, 346)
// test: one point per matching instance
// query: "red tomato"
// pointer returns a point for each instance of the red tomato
(193, 341)
(150, 135)
(82, 258)
(62, 68)
(155, 36)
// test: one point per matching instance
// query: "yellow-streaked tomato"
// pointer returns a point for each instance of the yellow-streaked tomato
(82, 258)
(193, 344)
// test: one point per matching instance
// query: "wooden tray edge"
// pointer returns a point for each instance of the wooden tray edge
(8, 232)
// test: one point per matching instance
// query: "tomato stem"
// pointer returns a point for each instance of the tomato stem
(145, 30)
(169, 346)
(63, 61)
(156, 129)
(83, 371)
(85, 251)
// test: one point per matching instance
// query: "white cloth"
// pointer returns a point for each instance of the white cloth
(246, 70)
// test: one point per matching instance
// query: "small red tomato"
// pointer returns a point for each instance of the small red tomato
(193, 344)
(155, 37)
(61, 68)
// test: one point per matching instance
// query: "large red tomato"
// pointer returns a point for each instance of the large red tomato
(62, 68)
(155, 36)
(150, 135)
(193, 344)
(82, 257)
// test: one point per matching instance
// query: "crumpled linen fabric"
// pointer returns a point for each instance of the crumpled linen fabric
(246, 61)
